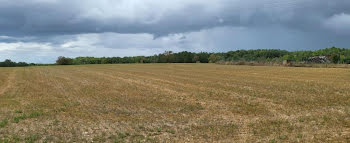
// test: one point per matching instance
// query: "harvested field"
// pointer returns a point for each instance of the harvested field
(174, 103)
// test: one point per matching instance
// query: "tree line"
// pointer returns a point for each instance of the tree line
(335, 55)
(166, 57)
(9, 63)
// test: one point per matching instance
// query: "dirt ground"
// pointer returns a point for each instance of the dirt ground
(174, 103)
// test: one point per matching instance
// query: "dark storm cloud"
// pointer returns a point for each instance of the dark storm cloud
(41, 30)
(159, 17)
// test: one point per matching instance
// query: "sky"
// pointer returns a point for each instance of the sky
(41, 30)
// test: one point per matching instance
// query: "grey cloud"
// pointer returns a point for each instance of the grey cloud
(340, 23)
(219, 39)
(159, 17)
(41, 30)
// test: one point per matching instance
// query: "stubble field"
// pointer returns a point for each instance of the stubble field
(174, 103)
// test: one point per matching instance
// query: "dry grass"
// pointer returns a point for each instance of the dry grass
(174, 103)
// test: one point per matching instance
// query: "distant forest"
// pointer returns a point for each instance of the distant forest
(9, 63)
(334, 55)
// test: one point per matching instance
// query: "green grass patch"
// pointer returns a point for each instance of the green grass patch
(4, 140)
(25, 116)
(18, 118)
(32, 139)
(3, 123)
(19, 111)
(34, 115)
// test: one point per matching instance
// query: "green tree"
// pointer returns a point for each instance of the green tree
(335, 58)
(213, 58)
(342, 59)
(64, 61)
(347, 60)
(9, 63)
(195, 59)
